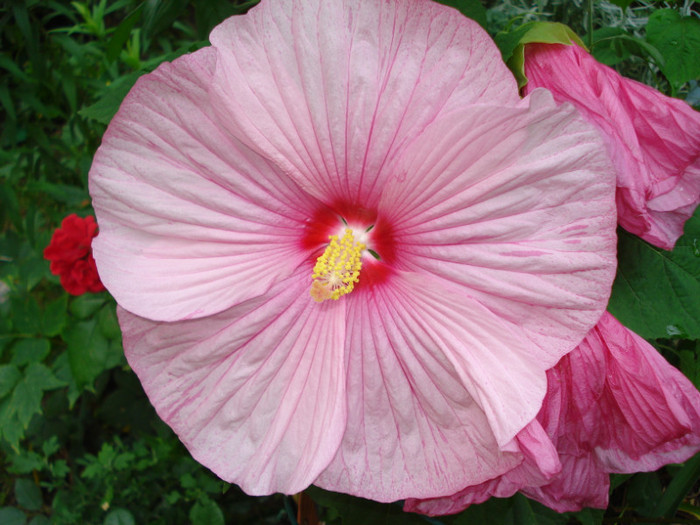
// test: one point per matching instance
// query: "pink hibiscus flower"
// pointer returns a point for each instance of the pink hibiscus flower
(653, 140)
(474, 246)
(612, 405)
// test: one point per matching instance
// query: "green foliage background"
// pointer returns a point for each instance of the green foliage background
(79, 442)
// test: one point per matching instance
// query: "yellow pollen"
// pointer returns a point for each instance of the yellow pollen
(338, 269)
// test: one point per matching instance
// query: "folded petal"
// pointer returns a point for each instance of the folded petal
(438, 388)
(516, 206)
(648, 413)
(257, 392)
(582, 483)
(653, 140)
(191, 221)
(612, 405)
(331, 90)
(540, 463)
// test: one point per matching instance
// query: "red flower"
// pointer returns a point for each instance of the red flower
(70, 254)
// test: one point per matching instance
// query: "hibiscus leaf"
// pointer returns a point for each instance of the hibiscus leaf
(678, 39)
(656, 292)
(473, 9)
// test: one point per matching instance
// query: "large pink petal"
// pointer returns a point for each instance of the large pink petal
(191, 221)
(612, 405)
(653, 140)
(540, 463)
(438, 387)
(330, 90)
(257, 392)
(516, 205)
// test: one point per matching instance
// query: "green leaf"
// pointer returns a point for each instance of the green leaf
(26, 315)
(90, 352)
(657, 293)
(512, 43)
(680, 485)
(590, 516)
(40, 520)
(10, 426)
(26, 401)
(39, 375)
(55, 316)
(104, 109)
(612, 45)
(119, 516)
(9, 376)
(107, 319)
(12, 516)
(25, 462)
(678, 39)
(28, 494)
(473, 9)
(689, 364)
(121, 35)
(85, 305)
(206, 512)
(643, 491)
(30, 350)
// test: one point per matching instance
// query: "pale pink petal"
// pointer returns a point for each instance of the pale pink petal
(331, 90)
(516, 206)
(437, 389)
(653, 140)
(191, 222)
(257, 392)
(540, 463)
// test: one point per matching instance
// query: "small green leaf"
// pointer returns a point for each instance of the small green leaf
(26, 315)
(107, 319)
(38, 374)
(104, 109)
(25, 462)
(9, 376)
(28, 494)
(40, 520)
(512, 43)
(206, 512)
(26, 401)
(90, 352)
(55, 316)
(119, 516)
(85, 305)
(678, 39)
(30, 350)
(12, 516)
(121, 35)
(10, 426)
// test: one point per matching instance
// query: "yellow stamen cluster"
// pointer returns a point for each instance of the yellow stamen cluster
(338, 269)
